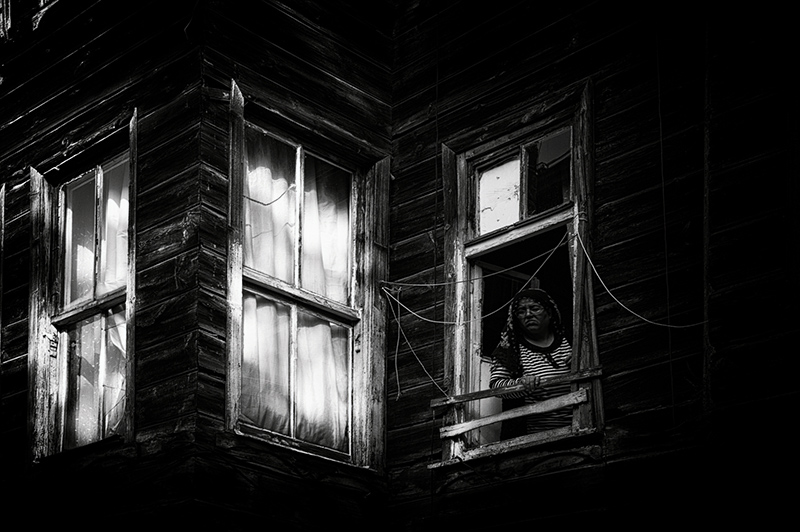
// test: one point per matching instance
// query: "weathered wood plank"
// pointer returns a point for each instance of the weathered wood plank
(548, 405)
(301, 45)
(172, 401)
(494, 392)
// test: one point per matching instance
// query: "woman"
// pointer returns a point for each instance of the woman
(532, 347)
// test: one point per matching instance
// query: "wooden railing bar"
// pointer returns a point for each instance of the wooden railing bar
(494, 392)
(548, 405)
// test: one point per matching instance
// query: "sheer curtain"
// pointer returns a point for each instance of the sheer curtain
(269, 207)
(96, 399)
(114, 229)
(310, 399)
(323, 382)
(326, 230)
(79, 227)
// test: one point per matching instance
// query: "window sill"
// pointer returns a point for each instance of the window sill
(514, 444)
(109, 446)
(259, 440)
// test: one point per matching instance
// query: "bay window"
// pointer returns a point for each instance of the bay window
(81, 298)
(305, 321)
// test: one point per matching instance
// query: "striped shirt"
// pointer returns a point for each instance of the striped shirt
(535, 361)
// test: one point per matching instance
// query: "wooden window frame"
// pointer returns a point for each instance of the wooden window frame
(5, 19)
(2, 252)
(464, 246)
(366, 313)
(49, 316)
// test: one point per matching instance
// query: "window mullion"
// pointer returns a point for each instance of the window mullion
(524, 181)
(63, 392)
(298, 215)
(101, 374)
(98, 228)
(293, 327)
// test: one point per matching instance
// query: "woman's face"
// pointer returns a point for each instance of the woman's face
(533, 317)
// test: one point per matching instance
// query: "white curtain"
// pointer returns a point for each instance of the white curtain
(79, 233)
(269, 207)
(98, 369)
(114, 228)
(115, 372)
(266, 390)
(323, 382)
(326, 230)
(309, 400)
(80, 229)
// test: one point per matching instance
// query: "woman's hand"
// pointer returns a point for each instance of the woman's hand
(530, 382)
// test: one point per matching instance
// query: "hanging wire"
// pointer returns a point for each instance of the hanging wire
(403, 333)
(504, 305)
(549, 254)
(664, 222)
(397, 349)
(492, 274)
(620, 303)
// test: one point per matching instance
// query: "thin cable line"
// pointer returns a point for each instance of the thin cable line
(397, 351)
(596, 273)
(589, 259)
(483, 316)
(473, 279)
(495, 311)
(664, 221)
(401, 331)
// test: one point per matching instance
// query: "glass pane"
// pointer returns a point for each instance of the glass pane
(115, 371)
(114, 226)
(269, 206)
(549, 166)
(79, 238)
(265, 396)
(97, 378)
(82, 424)
(323, 382)
(326, 242)
(498, 196)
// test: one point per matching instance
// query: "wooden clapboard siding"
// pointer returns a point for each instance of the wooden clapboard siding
(14, 287)
(652, 109)
(694, 135)
(331, 88)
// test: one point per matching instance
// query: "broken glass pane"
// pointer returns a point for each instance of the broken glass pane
(498, 197)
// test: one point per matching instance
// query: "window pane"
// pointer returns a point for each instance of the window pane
(79, 238)
(97, 377)
(114, 238)
(326, 241)
(269, 206)
(83, 407)
(265, 396)
(549, 172)
(115, 371)
(498, 196)
(323, 382)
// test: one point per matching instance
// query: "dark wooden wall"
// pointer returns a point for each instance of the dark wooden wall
(695, 133)
(320, 69)
(695, 181)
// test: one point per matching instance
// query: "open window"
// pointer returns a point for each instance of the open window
(305, 321)
(519, 210)
(81, 299)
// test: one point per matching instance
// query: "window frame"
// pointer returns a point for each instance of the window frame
(365, 312)
(465, 245)
(5, 19)
(50, 317)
